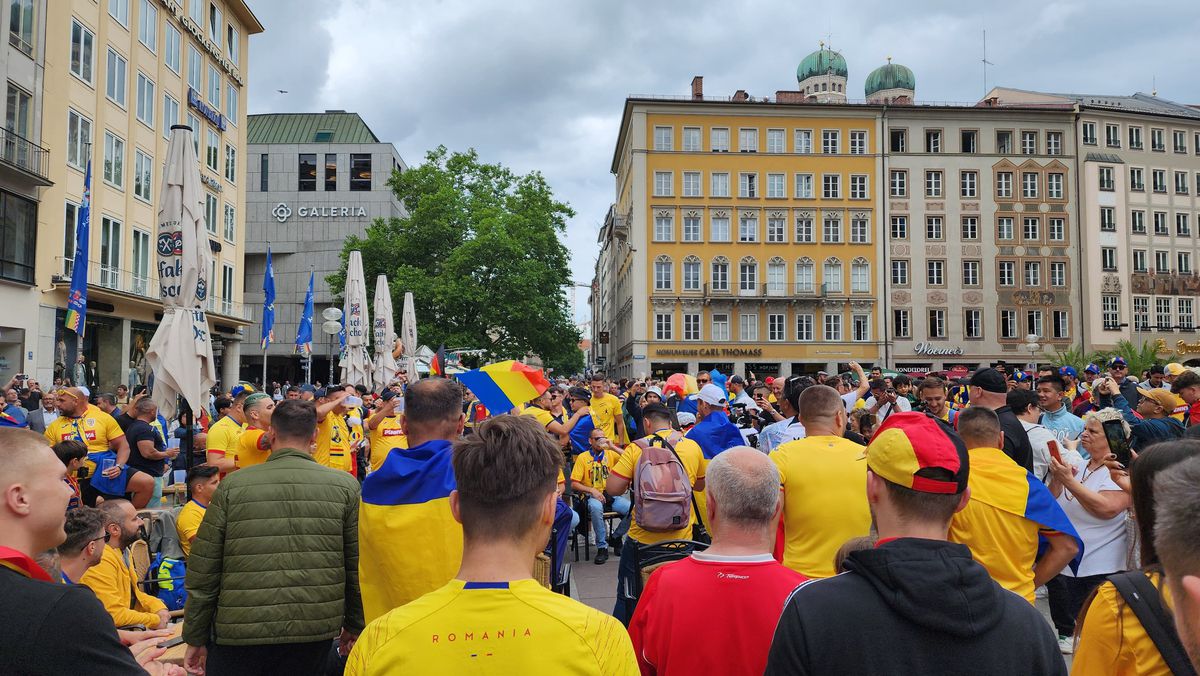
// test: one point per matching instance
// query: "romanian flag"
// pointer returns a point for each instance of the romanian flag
(437, 366)
(715, 434)
(408, 542)
(682, 384)
(505, 385)
(22, 564)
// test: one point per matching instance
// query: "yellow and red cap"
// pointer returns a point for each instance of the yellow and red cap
(908, 444)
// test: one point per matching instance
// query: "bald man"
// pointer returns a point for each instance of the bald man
(98, 430)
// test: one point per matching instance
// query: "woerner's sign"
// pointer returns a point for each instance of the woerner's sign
(282, 212)
(931, 350)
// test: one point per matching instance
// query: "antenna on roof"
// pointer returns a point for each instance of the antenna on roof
(986, 63)
(1153, 85)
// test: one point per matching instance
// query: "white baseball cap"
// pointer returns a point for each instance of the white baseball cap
(685, 419)
(711, 394)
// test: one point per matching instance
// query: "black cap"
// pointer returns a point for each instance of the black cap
(989, 380)
(580, 393)
(389, 394)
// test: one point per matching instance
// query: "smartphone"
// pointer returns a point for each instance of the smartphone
(1114, 431)
(171, 642)
(1053, 446)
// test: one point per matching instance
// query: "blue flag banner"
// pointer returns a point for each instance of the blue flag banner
(77, 297)
(304, 331)
(715, 434)
(268, 318)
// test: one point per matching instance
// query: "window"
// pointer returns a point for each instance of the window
(1139, 260)
(21, 26)
(935, 272)
(308, 172)
(805, 275)
(264, 173)
(1136, 180)
(973, 323)
(720, 184)
(664, 228)
(933, 184)
(1054, 186)
(899, 184)
(233, 44)
(1106, 178)
(1181, 183)
(1031, 229)
(1158, 141)
(1033, 273)
(691, 139)
(858, 142)
(71, 218)
(230, 223)
(227, 282)
(82, 45)
(1089, 133)
(831, 141)
(775, 186)
(1004, 184)
(195, 64)
(776, 228)
(662, 274)
(1141, 314)
(1182, 227)
(691, 228)
(662, 326)
(231, 105)
(1163, 314)
(970, 273)
(748, 276)
(1180, 139)
(748, 228)
(193, 123)
(691, 184)
(898, 140)
(143, 170)
(1160, 180)
(858, 186)
(900, 273)
(1160, 223)
(145, 100)
(212, 150)
(1054, 143)
(720, 229)
(1108, 258)
(899, 227)
(1004, 228)
(933, 140)
(1135, 138)
(900, 324)
(933, 228)
(718, 140)
(196, 12)
(720, 327)
(114, 159)
(804, 186)
(230, 163)
(860, 328)
(1183, 260)
(1004, 142)
(115, 87)
(969, 141)
(663, 138)
(747, 140)
(215, 24)
(803, 141)
(1005, 273)
(832, 233)
(1061, 327)
(1108, 221)
(804, 230)
(119, 10)
(1029, 143)
(170, 114)
(1196, 142)
(748, 184)
(110, 252)
(691, 274)
(1137, 222)
(214, 86)
(1058, 273)
(833, 327)
(776, 330)
(831, 186)
(859, 231)
(79, 138)
(805, 324)
(1008, 323)
(662, 184)
(720, 275)
(831, 276)
(968, 183)
(1185, 313)
(210, 213)
(860, 276)
(970, 227)
(330, 170)
(1033, 322)
(1029, 185)
(748, 327)
(148, 25)
(937, 323)
(691, 326)
(1162, 261)
(1112, 135)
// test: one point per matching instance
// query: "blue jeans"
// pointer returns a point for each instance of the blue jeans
(620, 505)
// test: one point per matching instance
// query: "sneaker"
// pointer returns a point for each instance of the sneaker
(1066, 644)
(601, 556)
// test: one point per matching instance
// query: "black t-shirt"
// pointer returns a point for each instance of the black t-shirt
(140, 430)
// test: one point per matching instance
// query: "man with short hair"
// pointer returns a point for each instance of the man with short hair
(223, 435)
(738, 396)
(114, 580)
(1187, 388)
(824, 494)
(254, 444)
(107, 402)
(44, 415)
(84, 546)
(927, 605)
(932, 393)
(407, 501)
(292, 393)
(149, 454)
(884, 401)
(1007, 511)
(1056, 414)
(202, 484)
(589, 475)
(334, 443)
(606, 410)
(1157, 379)
(1177, 542)
(987, 389)
(273, 572)
(735, 579)
(491, 617)
(1024, 405)
(384, 428)
(789, 428)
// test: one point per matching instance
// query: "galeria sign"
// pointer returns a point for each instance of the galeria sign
(282, 212)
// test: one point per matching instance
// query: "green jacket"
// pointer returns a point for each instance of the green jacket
(276, 557)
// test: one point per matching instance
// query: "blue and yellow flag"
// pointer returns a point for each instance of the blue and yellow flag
(408, 541)
(77, 297)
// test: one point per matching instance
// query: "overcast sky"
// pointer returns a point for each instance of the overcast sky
(539, 85)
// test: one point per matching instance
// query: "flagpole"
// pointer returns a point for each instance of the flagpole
(269, 272)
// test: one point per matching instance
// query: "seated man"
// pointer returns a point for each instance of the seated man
(84, 545)
(113, 579)
(202, 484)
(736, 579)
(492, 617)
(589, 476)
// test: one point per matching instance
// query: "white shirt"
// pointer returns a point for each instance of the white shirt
(1104, 540)
(850, 399)
(886, 410)
(48, 416)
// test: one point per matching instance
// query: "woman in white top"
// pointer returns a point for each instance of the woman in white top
(1096, 507)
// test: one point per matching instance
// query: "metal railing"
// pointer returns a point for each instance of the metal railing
(24, 154)
(141, 284)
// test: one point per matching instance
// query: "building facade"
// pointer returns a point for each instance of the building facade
(315, 179)
(121, 73)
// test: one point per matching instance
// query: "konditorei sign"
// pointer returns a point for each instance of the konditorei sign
(931, 350)
(282, 212)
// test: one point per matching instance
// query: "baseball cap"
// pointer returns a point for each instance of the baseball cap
(1160, 396)
(1068, 371)
(1175, 368)
(389, 394)
(685, 419)
(1091, 368)
(307, 387)
(907, 444)
(580, 393)
(712, 395)
(989, 380)
(1117, 361)
(238, 389)
(656, 390)
(1020, 376)
(769, 380)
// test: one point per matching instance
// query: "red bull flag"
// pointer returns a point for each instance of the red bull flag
(505, 385)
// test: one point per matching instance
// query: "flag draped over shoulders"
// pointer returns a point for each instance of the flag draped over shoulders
(715, 434)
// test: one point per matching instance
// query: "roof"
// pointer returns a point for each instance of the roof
(328, 127)
(824, 61)
(1139, 102)
(890, 76)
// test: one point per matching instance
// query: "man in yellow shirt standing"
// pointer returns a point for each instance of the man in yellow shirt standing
(657, 420)
(202, 484)
(493, 617)
(333, 434)
(606, 411)
(253, 445)
(824, 486)
(221, 451)
(81, 421)
(113, 579)
(384, 428)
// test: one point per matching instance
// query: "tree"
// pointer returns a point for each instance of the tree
(480, 251)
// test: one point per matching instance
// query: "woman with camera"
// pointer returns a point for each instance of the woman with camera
(1096, 506)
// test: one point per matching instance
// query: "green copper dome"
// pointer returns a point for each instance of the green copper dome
(890, 76)
(824, 61)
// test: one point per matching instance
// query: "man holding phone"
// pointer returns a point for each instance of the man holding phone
(1155, 407)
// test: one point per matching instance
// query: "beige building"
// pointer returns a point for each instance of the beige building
(118, 75)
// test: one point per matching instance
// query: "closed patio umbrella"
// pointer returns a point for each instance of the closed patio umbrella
(356, 361)
(385, 334)
(408, 335)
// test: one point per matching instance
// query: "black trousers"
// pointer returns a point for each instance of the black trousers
(300, 659)
(1066, 596)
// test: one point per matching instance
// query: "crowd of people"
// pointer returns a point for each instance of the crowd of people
(844, 523)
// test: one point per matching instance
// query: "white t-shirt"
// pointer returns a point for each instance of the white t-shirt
(850, 399)
(886, 410)
(1104, 540)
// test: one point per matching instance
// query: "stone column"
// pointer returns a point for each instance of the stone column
(231, 362)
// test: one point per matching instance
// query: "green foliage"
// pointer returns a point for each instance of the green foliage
(481, 253)
(1138, 357)
(569, 364)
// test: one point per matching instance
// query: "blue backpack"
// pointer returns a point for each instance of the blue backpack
(168, 576)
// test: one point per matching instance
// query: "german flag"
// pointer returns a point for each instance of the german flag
(437, 367)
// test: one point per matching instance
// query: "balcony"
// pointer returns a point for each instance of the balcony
(26, 157)
(138, 285)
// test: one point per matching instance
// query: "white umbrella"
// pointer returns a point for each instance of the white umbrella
(356, 362)
(385, 334)
(180, 354)
(408, 335)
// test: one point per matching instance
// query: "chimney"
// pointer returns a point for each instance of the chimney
(698, 88)
(741, 95)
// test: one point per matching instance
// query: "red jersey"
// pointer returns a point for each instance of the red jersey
(708, 614)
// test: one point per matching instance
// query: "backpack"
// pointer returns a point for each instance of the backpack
(168, 575)
(662, 491)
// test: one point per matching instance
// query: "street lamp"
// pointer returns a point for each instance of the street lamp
(331, 326)
(1031, 344)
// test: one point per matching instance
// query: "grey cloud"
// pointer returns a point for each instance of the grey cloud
(291, 54)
